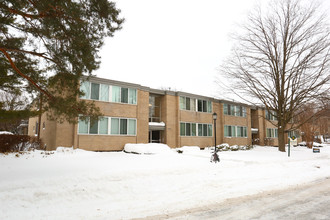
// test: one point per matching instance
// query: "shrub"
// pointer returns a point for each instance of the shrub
(234, 148)
(16, 143)
(224, 147)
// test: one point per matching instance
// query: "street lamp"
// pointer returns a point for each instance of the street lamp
(215, 116)
(215, 158)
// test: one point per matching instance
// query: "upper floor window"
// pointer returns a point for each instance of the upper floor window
(108, 93)
(234, 110)
(192, 104)
(187, 103)
(271, 115)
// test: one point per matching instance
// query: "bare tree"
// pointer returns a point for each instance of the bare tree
(281, 58)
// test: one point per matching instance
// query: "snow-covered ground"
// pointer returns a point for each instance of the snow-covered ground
(77, 184)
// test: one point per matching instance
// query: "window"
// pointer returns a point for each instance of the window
(115, 93)
(85, 88)
(294, 133)
(187, 103)
(235, 131)
(114, 126)
(182, 129)
(108, 126)
(271, 133)
(83, 127)
(93, 126)
(204, 106)
(189, 129)
(124, 95)
(271, 115)
(104, 125)
(234, 110)
(132, 96)
(123, 126)
(95, 89)
(131, 127)
(107, 93)
(104, 95)
(193, 129)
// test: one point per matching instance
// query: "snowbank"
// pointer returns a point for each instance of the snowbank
(187, 149)
(5, 132)
(151, 148)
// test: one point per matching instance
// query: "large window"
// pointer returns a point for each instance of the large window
(271, 115)
(271, 133)
(187, 103)
(204, 106)
(108, 126)
(195, 104)
(234, 110)
(195, 129)
(235, 131)
(107, 93)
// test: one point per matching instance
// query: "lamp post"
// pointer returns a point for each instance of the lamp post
(215, 131)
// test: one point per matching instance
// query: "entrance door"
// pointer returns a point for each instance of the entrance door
(155, 137)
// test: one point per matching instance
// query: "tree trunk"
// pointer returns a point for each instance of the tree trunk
(281, 139)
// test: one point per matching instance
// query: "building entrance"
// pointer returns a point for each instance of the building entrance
(155, 136)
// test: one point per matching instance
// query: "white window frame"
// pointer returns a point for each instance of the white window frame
(234, 129)
(109, 127)
(196, 129)
(134, 100)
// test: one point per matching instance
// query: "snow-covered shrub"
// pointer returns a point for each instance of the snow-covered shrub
(249, 147)
(234, 148)
(224, 147)
(242, 147)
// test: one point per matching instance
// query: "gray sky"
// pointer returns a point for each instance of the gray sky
(173, 43)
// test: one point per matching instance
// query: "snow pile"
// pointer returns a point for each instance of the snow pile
(188, 149)
(65, 150)
(151, 148)
(5, 132)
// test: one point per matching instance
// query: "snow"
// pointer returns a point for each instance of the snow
(5, 132)
(160, 124)
(155, 180)
(148, 149)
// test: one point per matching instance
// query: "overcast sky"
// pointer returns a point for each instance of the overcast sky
(175, 44)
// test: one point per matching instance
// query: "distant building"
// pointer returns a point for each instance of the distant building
(138, 114)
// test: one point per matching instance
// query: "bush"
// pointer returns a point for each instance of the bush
(234, 148)
(16, 143)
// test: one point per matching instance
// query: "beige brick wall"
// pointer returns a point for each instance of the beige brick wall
(104, 142)
(169, 115)
(142, 117)
(47, 134)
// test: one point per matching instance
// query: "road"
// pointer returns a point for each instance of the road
(306, 201)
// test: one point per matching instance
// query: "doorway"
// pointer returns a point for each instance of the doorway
(155, 136)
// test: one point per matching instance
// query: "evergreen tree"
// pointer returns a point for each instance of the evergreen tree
(47, 46)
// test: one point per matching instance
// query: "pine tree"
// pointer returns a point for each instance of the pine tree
(46, 47)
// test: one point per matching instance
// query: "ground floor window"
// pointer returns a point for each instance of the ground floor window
(108, 126)
(195, 129)
(235, 131)
(271, 133)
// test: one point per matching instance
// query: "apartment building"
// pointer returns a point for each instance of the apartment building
(138, 114)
